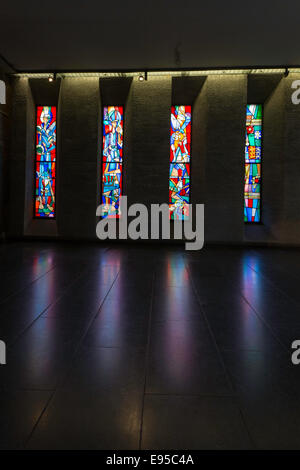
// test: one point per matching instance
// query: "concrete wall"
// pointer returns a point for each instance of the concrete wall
(149, 105)
(17, 159)
(273, 157)
(281, 163)
(224, 166)
(218, 140)
(5, 119)
(289, 224)
(78, 141)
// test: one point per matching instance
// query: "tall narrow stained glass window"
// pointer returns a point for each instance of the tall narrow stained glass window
(180, 158)
(45, 162)
(253, 155)
(112, 160)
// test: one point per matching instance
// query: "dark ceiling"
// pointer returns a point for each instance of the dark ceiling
(122, 35)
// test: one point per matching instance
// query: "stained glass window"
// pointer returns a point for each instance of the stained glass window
(45, 162)
(180, 157)
(252, 204)
(112, 160)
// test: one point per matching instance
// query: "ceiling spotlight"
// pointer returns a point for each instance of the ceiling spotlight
(141, 78)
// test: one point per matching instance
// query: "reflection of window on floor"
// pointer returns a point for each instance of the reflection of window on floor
(252, 193)
(45, 161)
(180, 156)
(112, 159)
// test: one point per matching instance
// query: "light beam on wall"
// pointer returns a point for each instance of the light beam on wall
(153, 73)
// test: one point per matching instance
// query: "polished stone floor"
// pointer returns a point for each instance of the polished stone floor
(150, 347)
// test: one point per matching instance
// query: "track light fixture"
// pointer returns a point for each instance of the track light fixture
(143, 76)
(52, 77)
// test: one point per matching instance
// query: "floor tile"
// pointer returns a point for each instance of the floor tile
(89, 420)
(184, 422)
(19, 412)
